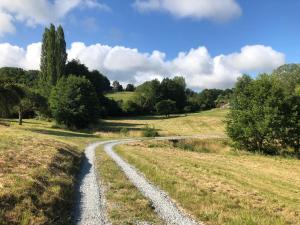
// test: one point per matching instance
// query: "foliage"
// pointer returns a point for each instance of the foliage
(174, 89)
(130, 87)
(166, 107)
(117, 87)
(10, 95)
(74, 102)
(263, 117)
(98, 80)
(53, 58)
(150, 132)
(147, 95)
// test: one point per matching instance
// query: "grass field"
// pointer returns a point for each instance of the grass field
(118, 96)
(208, 122)
(218, 185)
(125, 204)
(38, 165)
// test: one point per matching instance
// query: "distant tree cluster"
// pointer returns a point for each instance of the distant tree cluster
(265, 112)
(172, 96)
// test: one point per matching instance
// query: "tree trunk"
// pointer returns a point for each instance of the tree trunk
(20, 116)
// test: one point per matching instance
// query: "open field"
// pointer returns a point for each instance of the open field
(209, 122)
(125, 204)
(38, 165)
(218, 185)
(121, 96)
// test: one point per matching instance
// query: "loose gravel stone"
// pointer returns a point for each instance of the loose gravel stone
(163, 205)
(90, 201)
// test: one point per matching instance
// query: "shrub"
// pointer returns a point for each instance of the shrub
(74, 103)
(150, 132)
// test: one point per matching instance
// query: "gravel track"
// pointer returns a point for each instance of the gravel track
(90, 200)
(163, 205)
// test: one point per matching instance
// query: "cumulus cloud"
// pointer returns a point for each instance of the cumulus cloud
(220, 10)
(32, 12)
(199, 68)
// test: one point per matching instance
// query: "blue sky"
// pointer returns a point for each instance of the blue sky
(267, 23)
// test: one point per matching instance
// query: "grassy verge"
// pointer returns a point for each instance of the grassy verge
(125, 204)
(38, 166)
(220, 186)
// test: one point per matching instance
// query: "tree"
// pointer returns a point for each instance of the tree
(61, 54)
(166, 107)
(31, 101)
(10, 95)
(53, 58)
(147, 95)
(100, 82)
(207, 98)
(175, 90)
(130, 87)
(74, 102)
(288, 76)
(255, 119)
(117, 87)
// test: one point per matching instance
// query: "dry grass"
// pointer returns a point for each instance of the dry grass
(38, 165)
(125, 204)
(222, 186)
(210, 122)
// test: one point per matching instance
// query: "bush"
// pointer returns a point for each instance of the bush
(74, 103)
(150, 132)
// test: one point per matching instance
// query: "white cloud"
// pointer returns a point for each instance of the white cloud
(35, 12)
(220, 10)
(199, 68)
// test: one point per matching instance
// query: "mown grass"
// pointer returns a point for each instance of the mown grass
(121, 96)
(125, 204)
(219, 185)
(208, 122)
(38, 167)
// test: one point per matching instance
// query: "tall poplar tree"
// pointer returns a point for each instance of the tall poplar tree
(53, 58)
(61, 54)
(51, 55)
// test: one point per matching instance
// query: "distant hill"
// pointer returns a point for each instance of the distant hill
(118, 96)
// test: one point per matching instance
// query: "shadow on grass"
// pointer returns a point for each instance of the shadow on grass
(118, 126)
(60, 133)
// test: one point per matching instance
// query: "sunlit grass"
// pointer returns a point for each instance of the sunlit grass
(118, 96)
(125, 204)
(208, 122)
(222, 186)
(38, 165)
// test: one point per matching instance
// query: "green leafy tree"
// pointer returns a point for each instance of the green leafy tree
(10, 95)
(117, 87)
(74, 102)
(100, 82)
(130, 87)
(255, 119)
(166, 107)
(174, 89)
(147, 95)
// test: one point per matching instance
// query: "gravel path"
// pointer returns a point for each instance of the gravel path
(163, 205)
(90, 201)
